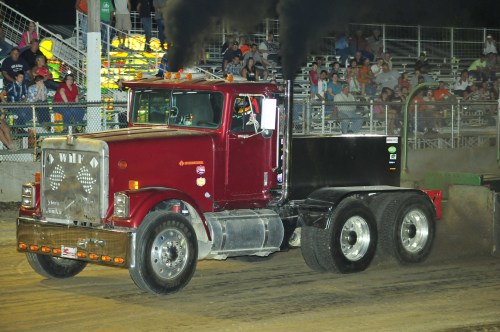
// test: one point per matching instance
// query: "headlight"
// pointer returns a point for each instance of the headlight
(121, 205)
(28, 198)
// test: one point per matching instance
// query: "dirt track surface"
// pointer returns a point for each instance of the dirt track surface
(450, 292)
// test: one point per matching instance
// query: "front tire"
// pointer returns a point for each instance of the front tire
(166, 253)
(349, 243)
(55, 267)
(407, 229)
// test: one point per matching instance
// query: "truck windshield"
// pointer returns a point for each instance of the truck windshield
(200, 109)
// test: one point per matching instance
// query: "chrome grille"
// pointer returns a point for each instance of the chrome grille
(74, 180)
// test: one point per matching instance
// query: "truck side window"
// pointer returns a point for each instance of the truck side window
(246, 114)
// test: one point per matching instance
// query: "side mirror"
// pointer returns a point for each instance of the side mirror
(268, 119)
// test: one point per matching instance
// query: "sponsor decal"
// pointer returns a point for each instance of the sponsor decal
(393, 156)
(391, 140)
(187, 163)
(200, 182)
(68, 252)
(392, 162)
(200, 170)
(392, 149)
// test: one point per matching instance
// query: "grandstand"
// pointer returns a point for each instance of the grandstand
(448, 49)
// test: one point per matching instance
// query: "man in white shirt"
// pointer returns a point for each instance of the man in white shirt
(344, 101)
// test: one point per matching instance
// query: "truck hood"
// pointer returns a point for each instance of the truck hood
(142, 133)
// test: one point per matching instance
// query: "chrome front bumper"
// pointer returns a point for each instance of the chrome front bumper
(104, 246)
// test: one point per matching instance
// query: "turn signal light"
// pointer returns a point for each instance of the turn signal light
(133, 184)
(22, 246)
(46, 249)
(81, 254)
(105, 258)
(34, 247)
(93, 256)
(56, 251)
(37, 177)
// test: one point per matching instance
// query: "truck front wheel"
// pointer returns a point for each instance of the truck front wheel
(348, 244)
(55, 267)
(407, 229)
(166, 253)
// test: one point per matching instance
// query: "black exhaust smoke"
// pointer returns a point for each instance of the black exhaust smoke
(189, 22)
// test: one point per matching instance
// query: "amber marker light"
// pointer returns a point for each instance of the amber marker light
(37, 177)
(81, 254)
(22, 246)
(93, 256)
(189, 76)
(122, 164)
(168, 75)
(46, 250)
(56, 251)
(105, 258)
(229, 78)
(133, 184)
(34, 247)
(118, 260)
(139, 75)
(177, 75)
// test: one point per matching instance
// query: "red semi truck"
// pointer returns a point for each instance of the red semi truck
(208, 169)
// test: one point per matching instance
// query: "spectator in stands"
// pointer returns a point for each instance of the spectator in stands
(160, 6)
(29, 55)
(471, 93)
(260, 63)
(478, 69)
(347, 112)
(250, 72)
(429, 113)
(68, 93)
(234, 67)
(461, 83)
(230, 39)
(5, 136)
(107, 10)
(244, 47)
(335, 68)
(333, 88)
(322, 86)
(320, 62)
(382, 105)
(422, 63)
(28, 36)
(387, 78)
(82, 8)
(342, 48)
(365, 78)
(12, 65)
(375, 45)
(4, 46)
(359, 44)
(17, 91)
(123, 23)
(270, 49)
(388, 59)
(442, 93)
(313, 79)
(419, 77)
(352, 78)
(358, 56)
(230, 54)
(37, 93)
(377, 66)
(404, 81)
(42, 69)
(491, 65)
(490, 45)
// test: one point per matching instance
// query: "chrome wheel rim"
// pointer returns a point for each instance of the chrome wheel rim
(414, 231)
(169, 253)
(355, 238)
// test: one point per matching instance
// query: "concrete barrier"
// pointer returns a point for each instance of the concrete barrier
(13, 175)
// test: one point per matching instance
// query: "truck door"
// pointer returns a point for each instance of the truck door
(249, 157)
